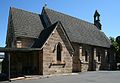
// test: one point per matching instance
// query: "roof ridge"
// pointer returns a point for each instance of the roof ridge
(69, 15)
(79, 30)
(23, 10)
(43, 36)
(51, 25)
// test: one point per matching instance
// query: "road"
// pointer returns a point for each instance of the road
(86, 77)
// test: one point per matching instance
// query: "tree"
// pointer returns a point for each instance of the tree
(116, 47)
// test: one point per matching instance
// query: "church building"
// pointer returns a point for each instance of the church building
(54, 43)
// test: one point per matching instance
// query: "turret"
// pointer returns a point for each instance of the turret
(97, 20)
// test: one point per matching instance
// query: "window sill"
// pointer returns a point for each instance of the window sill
(58, 63)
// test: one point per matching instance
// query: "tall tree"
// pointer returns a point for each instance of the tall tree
(116, 47)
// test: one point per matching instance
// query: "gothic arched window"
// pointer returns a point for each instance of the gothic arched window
(59, 50)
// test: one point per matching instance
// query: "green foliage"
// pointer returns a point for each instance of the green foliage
(115, 45)
(116, 48)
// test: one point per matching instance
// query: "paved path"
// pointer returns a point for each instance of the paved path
(87, 77)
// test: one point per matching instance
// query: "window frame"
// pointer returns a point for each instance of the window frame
(86, 56)
(59, 52)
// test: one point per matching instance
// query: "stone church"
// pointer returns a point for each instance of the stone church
(54, 43)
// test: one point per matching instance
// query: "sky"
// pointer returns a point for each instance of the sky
(82, 9)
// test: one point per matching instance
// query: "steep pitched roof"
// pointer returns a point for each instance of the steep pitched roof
(29, 24)
(26, 24)
(78, 30)
(45, 34)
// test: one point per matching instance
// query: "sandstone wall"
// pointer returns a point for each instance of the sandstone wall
(50, 63)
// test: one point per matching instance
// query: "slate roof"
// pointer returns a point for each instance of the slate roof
(78, 30)
(44, 35)
(26, 24)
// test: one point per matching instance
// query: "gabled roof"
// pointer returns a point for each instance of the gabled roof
(78, 30)
(96, 13)
(26, 24)
(45, 34)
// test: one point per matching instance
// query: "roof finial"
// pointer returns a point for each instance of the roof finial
(45, 4)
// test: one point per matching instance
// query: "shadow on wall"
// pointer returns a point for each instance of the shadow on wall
(3, 76)
(0, 66)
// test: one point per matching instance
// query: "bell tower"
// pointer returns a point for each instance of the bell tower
(97, 20)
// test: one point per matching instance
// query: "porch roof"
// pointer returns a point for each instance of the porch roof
(3, 49)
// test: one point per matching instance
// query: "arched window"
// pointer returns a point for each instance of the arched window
(59, 49)
(86, 56)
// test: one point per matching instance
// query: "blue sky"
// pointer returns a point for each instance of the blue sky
(82, 9)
